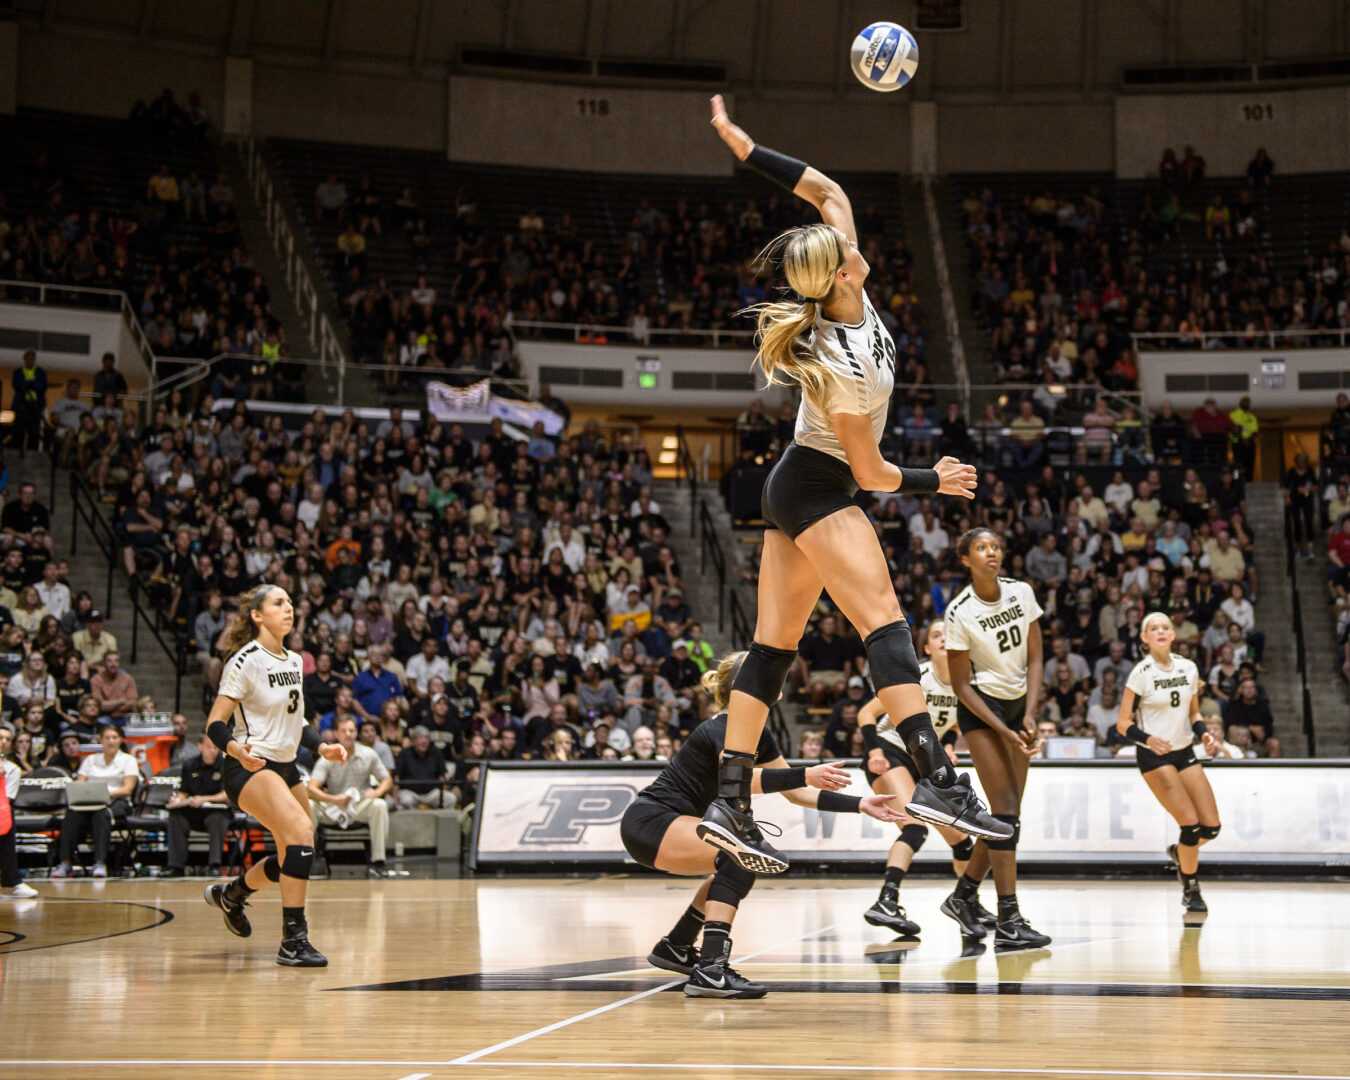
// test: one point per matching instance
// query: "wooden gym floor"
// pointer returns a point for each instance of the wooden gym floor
(545, 978)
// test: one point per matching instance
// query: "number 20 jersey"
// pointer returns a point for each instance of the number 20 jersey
(269, 689)
(995, 635)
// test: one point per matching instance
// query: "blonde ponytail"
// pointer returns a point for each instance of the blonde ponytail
(717, 680)
(810, 256)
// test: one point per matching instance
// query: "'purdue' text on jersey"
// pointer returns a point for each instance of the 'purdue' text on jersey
(1164, 695)
(995, 635)
(941, 700)
(270, 713)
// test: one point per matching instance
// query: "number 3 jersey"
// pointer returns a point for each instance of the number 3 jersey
(270, 713)
(1164, 695)
(995, 635)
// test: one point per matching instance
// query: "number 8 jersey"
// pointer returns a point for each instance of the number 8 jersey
(1164, 695)
(270, 713)
(995, 635)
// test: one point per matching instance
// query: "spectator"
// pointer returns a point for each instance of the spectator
(342, 795)
(377, 684)
(30, 403)
(1250, 712)
(109, 380)
(119, 771)
(1045, 564)
(114, 689)
(199, 804)
(422, 773)
(25, 521)
(33, 682)
(330, 198)
(94, 643)
(1028, 436)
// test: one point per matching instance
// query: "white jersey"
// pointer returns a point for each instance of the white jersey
(862, 358)
(941, 700)
(1165, 695)
(269, 689)
(995, 635)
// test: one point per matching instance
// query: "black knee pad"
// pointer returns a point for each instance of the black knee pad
(1190, 835)
(1208, 832)
(891, 660)
(964, 850)
(298, 861)
(925, 748)
(763, 672)
(731, 881)
(1010, 844)
(914, 836)
(272, 868)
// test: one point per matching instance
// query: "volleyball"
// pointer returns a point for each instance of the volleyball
(884, 56)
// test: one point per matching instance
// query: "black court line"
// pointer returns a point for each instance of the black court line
(6, 948)
(11, 937)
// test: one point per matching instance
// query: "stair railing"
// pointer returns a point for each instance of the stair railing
(1300, 643)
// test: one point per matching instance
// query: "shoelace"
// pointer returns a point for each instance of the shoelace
(757, 828)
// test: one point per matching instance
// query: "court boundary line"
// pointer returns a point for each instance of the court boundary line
(549, 1029)
(13, 948)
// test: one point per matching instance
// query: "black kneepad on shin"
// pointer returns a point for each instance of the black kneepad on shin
(298, 861)
(1010, 844)
(1208, 832)
(914, 836)
(763, 672)
(1190, 835)
(731, 881)
(272, 869)
(891, 660)
(964, 850)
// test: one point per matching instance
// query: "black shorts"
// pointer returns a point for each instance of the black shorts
(1011, 712)
(805, 486)
(235, 776)
(1181, 759)
(643, 828)
(895, 759)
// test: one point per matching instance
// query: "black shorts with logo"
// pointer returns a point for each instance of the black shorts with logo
(1180, 760)
(805, 486)
(235, 776)
(1011, 712)
(643, 828)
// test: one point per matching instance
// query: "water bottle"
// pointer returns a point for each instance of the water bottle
(398, 849)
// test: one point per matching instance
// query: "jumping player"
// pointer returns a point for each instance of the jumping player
(828, 340)
(891, 770)
(1166, 688)
(258, 721)
(996, 663)
(660, 831)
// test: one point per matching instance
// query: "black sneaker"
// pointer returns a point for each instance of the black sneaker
(717, 979)
(377, 870)
(1016, 933)
(1191, 899)
(987, 918)
(173, 871)
(892, 916)
(960, 910)
(233, 910)
(679, 958)
(957, 806)
(298, 952)
(725, 827)
(1173, 865)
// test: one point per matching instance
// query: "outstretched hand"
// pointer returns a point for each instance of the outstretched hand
(828, 777)
(735, 137)
(954, 478)
(879, 807)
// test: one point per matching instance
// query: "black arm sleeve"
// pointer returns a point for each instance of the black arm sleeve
(871, 740)
(774, 780)
(219, 733)
(919, 481)
(834, 803)
(784, 171)
(309, 738)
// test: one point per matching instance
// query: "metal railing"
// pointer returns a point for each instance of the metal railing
(1242, 339)
(611, 334)
(949, 311)
(1300, 642)
(84, 507)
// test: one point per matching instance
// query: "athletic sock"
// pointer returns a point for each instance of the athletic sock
(890, 888)
(293, 922)
(1188, 880)
(237, 891)
(686, 930)
(1007, 907)
(967, 887)
(716, 941)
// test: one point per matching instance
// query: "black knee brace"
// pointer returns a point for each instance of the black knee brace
(925, 748)
(1190, 835)
(1010, 844)
(890, 656)
(1208, 832)
(272, 869)
(731, 881)
(914, 836)
(964, 850)
(298, 861)
(763, 672)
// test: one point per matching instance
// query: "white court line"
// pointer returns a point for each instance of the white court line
(972, 1070)
(415, 1076)
(469, 1059)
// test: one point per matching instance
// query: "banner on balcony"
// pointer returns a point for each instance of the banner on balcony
(477, 404)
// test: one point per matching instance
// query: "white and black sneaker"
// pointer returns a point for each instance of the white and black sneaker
(1191, 899)
(886, 912)
(972, 926)
(298, 952)
(1015, 932)
(738, 834)
(718, 979)
(957, 806)
(678, 958)
(236, 921)
(986, 917)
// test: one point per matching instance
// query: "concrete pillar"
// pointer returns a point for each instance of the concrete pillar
(238, 119)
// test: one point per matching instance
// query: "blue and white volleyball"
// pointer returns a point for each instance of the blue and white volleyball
(884, 56)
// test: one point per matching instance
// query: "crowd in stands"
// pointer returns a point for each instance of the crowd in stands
(1320, 506)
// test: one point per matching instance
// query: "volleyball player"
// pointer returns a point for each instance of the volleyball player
(660, 831)
(828, 340)
(890, 769)
(1166, 688)
(996, 663)
(258, 721)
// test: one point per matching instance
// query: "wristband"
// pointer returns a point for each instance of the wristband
(772, 780)
(831, 802)
(871, 740)
(784, 171)
(309, 738)
(919, 481)
(1137, 735)
(219, 734)
(1198, 729)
